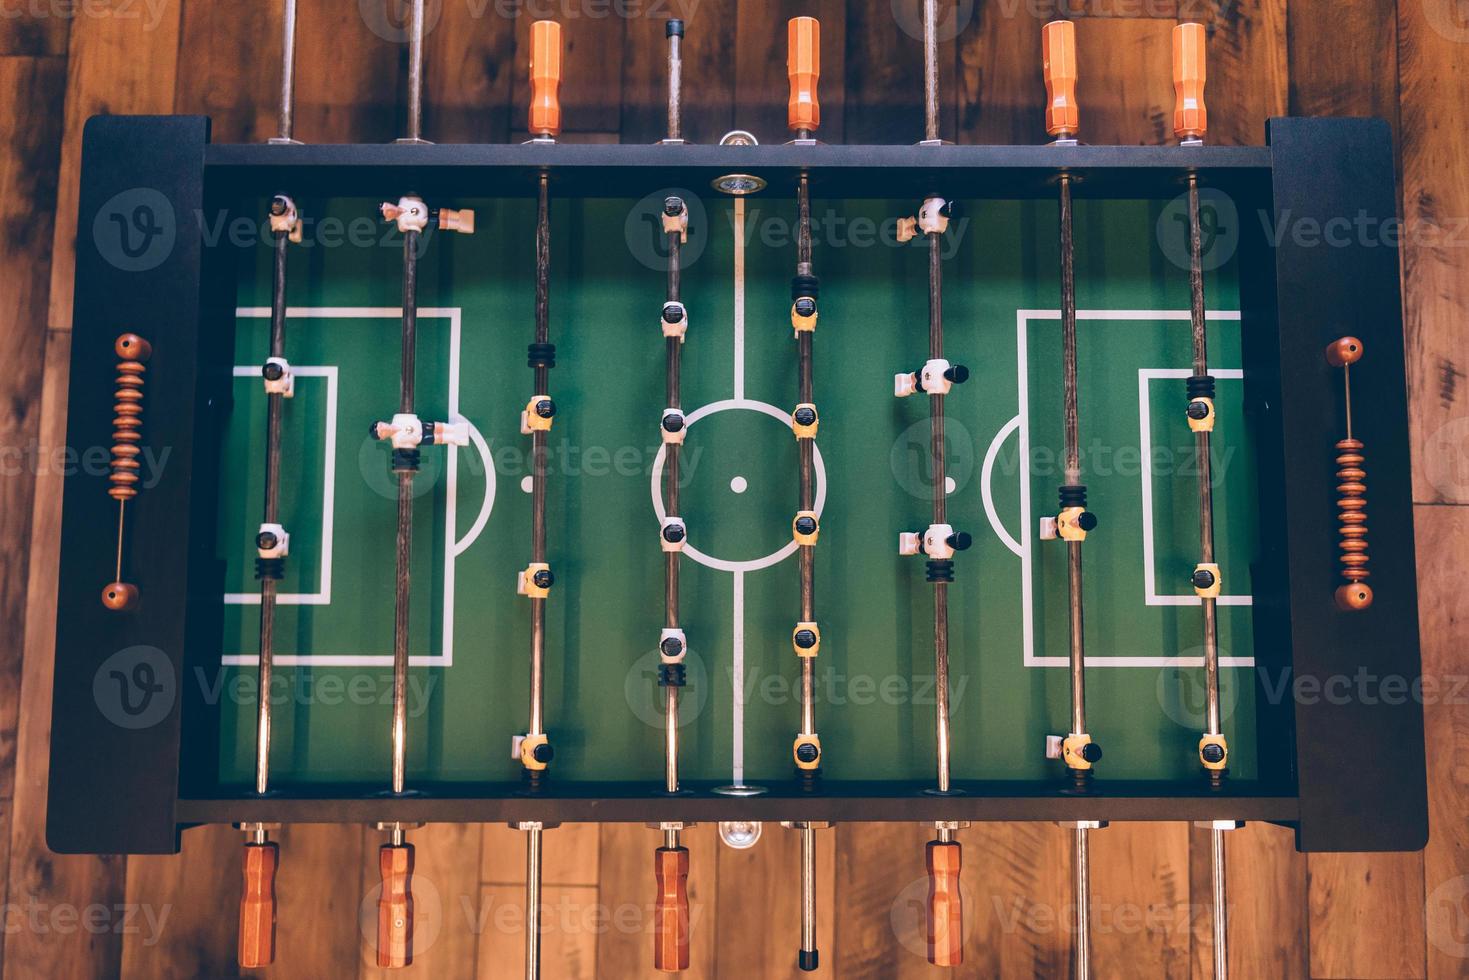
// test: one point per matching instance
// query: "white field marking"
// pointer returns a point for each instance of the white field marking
(527, 484)
(986, 478)
(1150, 589)
(452, 548)
(737, 674)
(725, 564)
(1027, 605)
(323, 595)
(739, 484)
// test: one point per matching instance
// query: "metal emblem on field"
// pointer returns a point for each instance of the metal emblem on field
(136, 229)
(135, 688)
(643, 230)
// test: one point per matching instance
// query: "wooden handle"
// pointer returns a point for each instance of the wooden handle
(1058, 57)
(945, 905)
(395, 906)
(671, 911)
(132, 353)
(1190, 118)
(803, 65)
(257, 906)
(545, 78)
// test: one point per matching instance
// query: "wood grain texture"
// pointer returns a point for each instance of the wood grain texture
(1140, 900)
(1266, 878)
(188, 903)
(40, 882)
(1366, 915)
(1125, 84)
(117, 63)
(625, 948)
(1248, 70)
(762, 86)
(760, 895)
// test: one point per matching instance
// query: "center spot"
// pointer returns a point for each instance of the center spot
(738, 484)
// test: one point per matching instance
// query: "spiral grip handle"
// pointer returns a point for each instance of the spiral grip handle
(803, 66)
(671, 911)
(395, 906)
(127, 415)
(1351, 506)
(1190, 117)
(1058, 61)
(545, 78)
(257, 905)
(945, 904)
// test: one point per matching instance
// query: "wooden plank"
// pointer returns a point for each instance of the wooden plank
(469, 64)
(1435, 108)
(884, 81)
(572, 918)
(762, 86)
(569, 855)
(236, 84)
(591, 69)
(1019, 877)
(34, 30)
(1343, 58)
(446, 891)
(349, 73)
(41, 882)
(626, 882)
(1443, 549)
(708, 93)
(1124, 81)
(760, 896)
(30, 142)
(116, 64)
(193, 897)
(1002, 95)
(1140, 900)
(1248, 75)
(1366, 915)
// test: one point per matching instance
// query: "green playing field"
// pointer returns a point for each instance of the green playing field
(470, 631)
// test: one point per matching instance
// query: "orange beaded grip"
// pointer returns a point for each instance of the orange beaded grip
(257, 905)
(395, 906)
(671, 911)
(127, 424)
(945, 904)
(1190, 118)
(1351, 490)
(803, 65)
(545, 78)
(1058, 59)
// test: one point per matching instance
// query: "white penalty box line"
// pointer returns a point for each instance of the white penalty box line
(452, 547)
(1024, 547)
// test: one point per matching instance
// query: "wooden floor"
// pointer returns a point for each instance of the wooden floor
(1392, 915)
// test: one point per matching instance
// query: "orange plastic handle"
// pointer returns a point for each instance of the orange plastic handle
(545, 78)
(257, 906)
(395, 906)
(1058, 57)
(1190, 118)
(671, 911)
(803, 65)
(945, 904)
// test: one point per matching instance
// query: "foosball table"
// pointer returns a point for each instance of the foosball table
(507, 500)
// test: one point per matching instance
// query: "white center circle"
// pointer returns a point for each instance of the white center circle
(738, 484)
(724, 564)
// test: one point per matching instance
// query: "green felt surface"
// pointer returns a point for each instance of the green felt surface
(875, 691)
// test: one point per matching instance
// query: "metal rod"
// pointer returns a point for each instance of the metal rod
(808, 889)
(288, 72)
(538, 461)
(930, 71)
(404, 550)
(533, 903)
(1082, 868)
(1202, 448)
(1072, 473)
(673, 349)
(1221, 908)
(805, 449)
(940, 510)
(675, 84)
(415, 73)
